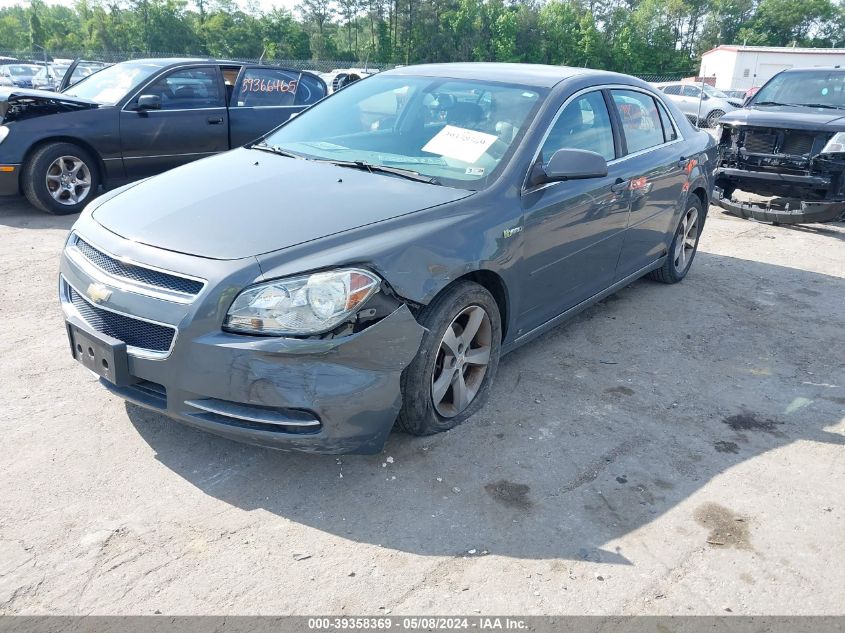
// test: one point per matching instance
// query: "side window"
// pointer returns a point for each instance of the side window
(310, 90)
(267, 87)
(691, 91)
(187, 89)
(583, 124)
(672, 90)
(640, 120)
(669, 132)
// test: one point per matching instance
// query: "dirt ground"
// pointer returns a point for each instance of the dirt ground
(673, 450)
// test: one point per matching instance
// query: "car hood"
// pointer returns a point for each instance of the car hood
(28, 102)
(795, 118)
(248, 202)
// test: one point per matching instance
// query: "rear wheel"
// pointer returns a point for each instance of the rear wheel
(61, 178)
(684, 245)
(450, 378)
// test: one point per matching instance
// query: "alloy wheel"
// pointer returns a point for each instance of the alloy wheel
(461, 362)
(713, 118)
(68, 180)
(686, 241)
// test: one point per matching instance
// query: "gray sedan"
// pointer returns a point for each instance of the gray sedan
(368, 263)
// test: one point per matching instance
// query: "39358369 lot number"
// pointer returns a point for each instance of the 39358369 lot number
(384, 623)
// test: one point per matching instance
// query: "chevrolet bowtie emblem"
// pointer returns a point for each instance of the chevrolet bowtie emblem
(98, 292)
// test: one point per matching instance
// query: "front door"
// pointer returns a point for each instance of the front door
(573, 229)
(192, 122)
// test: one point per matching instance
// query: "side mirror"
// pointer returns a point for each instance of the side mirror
(704, 96)
(572, 164)
(149, 102)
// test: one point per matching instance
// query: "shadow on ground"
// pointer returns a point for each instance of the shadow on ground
(593, 430)
(17, 213)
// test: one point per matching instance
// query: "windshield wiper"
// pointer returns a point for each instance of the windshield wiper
(274, 149)
(773, 103)
(826, 106)
(410, 174)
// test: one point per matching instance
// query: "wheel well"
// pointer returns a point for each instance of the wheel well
(495, 285)
(101, 167)
(702, 195)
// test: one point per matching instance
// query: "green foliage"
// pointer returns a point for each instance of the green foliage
(636, 36)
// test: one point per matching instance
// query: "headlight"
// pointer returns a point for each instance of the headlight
(4, 132)
(836, 145)
(310, 304)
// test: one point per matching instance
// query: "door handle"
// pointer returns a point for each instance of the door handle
(215, 120)
(620, 185)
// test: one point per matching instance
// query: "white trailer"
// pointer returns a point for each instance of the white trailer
(744, 67)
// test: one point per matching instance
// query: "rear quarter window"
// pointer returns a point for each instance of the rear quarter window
(310, 90)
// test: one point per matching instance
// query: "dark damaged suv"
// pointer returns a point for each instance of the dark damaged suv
(787, 146)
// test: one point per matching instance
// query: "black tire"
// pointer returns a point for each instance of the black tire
(419, 414)
(713, 117)
(35, 186)
(670, 272)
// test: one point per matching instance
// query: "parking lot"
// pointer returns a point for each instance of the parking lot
(673, 450)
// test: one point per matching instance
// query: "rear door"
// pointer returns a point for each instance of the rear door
(192, 122)
(573, 230)
(264, 97)
(655, 168)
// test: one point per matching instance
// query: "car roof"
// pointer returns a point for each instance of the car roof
(162, 62)
(536, 75)
(813, 68)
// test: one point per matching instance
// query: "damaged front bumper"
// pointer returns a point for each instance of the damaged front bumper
(779, 211)
(319, 395)
(789, 169)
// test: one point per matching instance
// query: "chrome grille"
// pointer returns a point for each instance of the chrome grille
(134, 332)
(138, 274)
(759, 142)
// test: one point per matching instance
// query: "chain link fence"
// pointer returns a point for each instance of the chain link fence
(113, 57)
(316, 65)
(313, 65)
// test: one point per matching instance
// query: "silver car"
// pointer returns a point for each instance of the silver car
(701, 108)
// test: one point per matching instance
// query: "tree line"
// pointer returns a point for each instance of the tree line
(634, 36)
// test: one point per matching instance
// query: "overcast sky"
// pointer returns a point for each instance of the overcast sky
(265, 5)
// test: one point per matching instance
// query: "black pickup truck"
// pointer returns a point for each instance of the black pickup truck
(787, 148)
(136, 119)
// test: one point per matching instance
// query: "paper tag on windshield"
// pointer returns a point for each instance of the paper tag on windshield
(460, 143)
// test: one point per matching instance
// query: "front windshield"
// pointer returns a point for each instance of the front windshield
(454, 131)
(111, 84)
(816, 88)
(714, 93)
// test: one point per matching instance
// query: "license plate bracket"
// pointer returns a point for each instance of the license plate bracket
(102, 354)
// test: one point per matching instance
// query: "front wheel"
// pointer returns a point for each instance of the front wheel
(713, 118)
(684, 245)
(450, 378)
(61, 178)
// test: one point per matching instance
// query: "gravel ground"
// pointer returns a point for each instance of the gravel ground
(673, 450)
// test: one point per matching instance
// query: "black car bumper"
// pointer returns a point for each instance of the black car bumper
(9, 180)
(799, 212)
